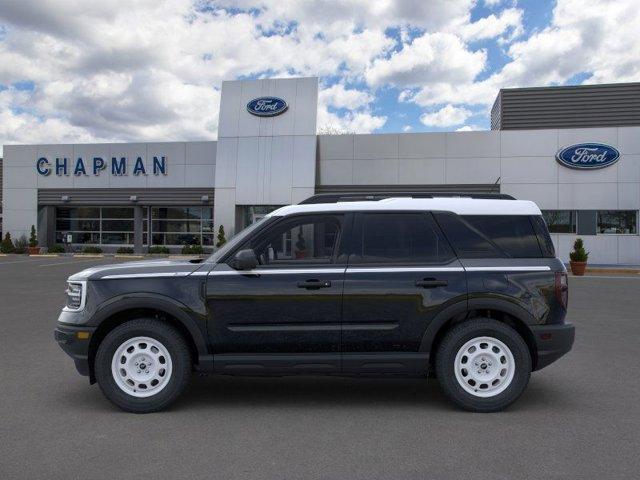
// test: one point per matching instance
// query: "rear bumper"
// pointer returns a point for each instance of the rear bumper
(552, 342)
(74, 345)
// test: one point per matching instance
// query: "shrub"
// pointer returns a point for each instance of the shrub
(192, 250)
(57, 248)
(20, 245)
(221, 238)
(91, 249)
(125, 251)
(33, 238)
(579, 254)
(158, 249)
(7, 244)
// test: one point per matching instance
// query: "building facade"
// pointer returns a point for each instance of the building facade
(268, 155)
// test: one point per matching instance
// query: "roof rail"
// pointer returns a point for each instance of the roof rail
(375, 196)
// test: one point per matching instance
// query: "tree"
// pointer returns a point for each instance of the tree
(221, 237)
(33, 238)
(7, 244)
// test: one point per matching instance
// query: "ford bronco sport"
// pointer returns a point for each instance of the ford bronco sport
(464, 289)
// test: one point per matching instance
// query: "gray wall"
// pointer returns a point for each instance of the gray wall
(523, 160)
(603, 105)
(189, 165)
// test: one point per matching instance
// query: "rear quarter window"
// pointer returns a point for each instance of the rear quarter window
(491, 236)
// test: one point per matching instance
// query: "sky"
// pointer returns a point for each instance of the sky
(77, 71)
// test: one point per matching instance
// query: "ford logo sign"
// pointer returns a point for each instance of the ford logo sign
(267, 106)
(588, 156)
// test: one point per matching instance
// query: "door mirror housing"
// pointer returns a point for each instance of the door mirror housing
(245, 260)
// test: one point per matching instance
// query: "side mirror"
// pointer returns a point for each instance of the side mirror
(245, 260)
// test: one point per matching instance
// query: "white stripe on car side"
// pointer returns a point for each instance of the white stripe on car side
(145, 275)
(509, 269)
(307, 271)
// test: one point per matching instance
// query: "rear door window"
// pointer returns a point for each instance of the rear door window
(400, 238)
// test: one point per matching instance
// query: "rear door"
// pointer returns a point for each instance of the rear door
(400, 274)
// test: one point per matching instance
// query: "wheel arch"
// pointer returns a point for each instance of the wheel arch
(498, 309)
(120, 310)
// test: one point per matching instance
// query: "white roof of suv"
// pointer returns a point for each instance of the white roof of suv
(459, 205)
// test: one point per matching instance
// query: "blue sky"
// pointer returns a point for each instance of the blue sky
(77, 71)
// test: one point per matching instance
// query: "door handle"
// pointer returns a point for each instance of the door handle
(314, 284)
(431, 283)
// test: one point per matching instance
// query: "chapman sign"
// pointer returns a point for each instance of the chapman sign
(588, 156)
(267, 106)
(118, 166)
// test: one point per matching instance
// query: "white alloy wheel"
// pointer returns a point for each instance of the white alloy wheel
(141, 367)
(484, 367)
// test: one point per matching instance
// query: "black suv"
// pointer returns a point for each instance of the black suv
(467, 290)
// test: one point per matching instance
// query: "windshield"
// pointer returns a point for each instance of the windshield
(237, 239)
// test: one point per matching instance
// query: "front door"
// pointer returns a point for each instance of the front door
(401, 273)
(286, 313)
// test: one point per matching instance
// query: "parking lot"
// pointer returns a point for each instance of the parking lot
(579, 418)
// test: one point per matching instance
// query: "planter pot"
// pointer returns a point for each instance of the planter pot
(33, 250)
(301, 254)
(578, 268)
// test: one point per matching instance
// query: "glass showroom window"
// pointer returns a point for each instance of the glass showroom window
(182, 226)
(95, 225)
(618, 221)
(560, 221)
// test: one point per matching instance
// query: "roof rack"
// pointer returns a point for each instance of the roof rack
(375, 196)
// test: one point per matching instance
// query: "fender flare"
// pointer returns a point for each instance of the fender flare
(129, 301)
(464, 306)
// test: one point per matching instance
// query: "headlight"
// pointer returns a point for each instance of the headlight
(76, 295)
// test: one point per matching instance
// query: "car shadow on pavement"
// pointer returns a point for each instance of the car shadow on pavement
(224, 392)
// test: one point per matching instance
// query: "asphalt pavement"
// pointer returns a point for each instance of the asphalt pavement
(579, 418)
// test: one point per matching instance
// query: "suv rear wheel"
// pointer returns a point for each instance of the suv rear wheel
(483, 365)
(143, 365)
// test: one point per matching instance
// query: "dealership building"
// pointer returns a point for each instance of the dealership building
(575, 151)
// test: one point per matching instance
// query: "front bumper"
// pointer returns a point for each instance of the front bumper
(552, 342)
(75, 343)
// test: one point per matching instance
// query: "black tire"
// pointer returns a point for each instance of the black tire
(177, 348)
(456, 338)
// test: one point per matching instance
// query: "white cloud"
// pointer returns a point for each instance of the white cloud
(469, 128)
(407, 128)
(433, 57)
(509, 22)
(447, 116)
(340, 97)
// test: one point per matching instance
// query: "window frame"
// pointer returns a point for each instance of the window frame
(573, 211)
(620, 234)
(340, 218)
(357, 236)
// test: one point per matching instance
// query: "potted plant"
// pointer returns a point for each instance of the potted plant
(579, 258)
(301, 245)
(33, 249)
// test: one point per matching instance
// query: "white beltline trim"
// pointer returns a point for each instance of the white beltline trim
(289, 271)
(279, 271)
(145, 275)
(402, 269)
(509, 269)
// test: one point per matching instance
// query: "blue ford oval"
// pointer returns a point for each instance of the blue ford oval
(267, 106)
(588, 156)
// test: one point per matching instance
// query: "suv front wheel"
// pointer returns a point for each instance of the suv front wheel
(483, 365)
(143, 365)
